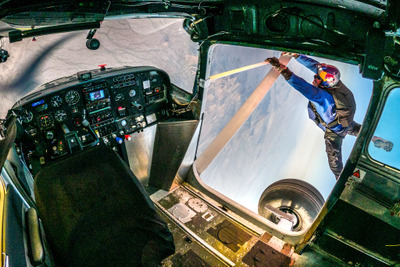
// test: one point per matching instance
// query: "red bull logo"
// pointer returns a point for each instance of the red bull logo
(329, 74)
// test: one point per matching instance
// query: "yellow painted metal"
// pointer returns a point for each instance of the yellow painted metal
(211, 152)
(230, 72)
(2, 223)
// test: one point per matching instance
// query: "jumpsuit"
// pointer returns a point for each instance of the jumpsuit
(324, 105)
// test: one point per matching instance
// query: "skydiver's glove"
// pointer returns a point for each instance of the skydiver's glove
(286, 73)
(290, 54)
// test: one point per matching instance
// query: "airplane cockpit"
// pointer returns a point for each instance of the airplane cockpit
(159, 133)
(98, 107)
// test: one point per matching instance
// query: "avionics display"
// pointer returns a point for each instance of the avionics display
(96, 95)
(34, 104)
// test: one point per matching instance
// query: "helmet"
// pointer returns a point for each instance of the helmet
(329, 74)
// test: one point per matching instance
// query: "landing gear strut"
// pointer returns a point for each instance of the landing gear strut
(92, 43)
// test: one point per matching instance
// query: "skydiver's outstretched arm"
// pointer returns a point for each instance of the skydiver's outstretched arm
(312, 93)
(309, 63)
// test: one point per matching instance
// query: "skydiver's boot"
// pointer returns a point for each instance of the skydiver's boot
(333, 145)
(354, 128)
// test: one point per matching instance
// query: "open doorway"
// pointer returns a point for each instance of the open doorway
(277, 141)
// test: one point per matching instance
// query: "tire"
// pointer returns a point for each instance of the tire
(292, 196)
(92, 44)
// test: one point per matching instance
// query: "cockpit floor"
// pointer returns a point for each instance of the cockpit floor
(205, 235)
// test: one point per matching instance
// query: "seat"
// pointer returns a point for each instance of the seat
(95, 212)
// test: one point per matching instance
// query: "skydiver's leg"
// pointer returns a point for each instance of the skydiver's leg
(333, 144)
(354, 128)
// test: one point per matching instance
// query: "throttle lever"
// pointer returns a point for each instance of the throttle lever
(85, 122)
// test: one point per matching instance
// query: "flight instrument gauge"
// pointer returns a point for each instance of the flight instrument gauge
(72, 97)
(56, 101)
(46, 121)
(60, 115)
(27, 117)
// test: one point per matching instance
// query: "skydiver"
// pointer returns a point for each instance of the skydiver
(331, 104)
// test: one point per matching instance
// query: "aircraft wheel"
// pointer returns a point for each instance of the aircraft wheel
(293, 196)
(92, 44)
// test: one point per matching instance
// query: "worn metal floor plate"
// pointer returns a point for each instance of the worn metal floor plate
(205, 236)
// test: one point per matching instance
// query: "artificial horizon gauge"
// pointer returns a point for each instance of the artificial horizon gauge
(60, 115)
(197, 205)
(72, 97)
(42, 107)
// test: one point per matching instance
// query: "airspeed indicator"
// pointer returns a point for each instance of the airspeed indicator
(56, 101)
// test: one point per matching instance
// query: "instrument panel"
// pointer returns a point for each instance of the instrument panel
(104, 109)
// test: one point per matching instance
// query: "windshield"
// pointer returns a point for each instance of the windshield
(161, 43)
(278, 140)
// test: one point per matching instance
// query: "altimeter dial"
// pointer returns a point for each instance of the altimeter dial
(72, 97)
